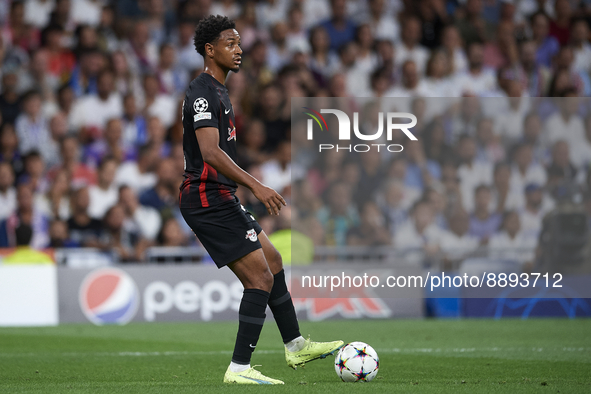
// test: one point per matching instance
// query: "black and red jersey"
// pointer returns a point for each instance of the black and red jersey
(206, 104)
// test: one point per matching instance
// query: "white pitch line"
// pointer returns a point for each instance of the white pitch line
(383, 350)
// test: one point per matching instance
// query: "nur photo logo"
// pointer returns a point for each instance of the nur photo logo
(391, 120)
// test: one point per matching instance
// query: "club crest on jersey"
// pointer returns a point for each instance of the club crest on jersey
(232, 133)
(252, 235)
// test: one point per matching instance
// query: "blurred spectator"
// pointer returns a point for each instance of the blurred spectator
(24, 254)
(37, 12)
(125, 81)
(489, 147)
(84, 76)
(536, 207)
(139, 175)
(394, 205)
(478, 80)
(560, 24)
(511, 244)
(104, 194)
(546, 45)
(452, 44)
(141, 52)
(55, 203)
(9, 98)
(92, 112)
(110, 145)
(141, 219)
(411, 84)
(419, 236)
(537, 74)
(457, 243)
(164, 195)
(58, 128)
(483, 223)
(525, 169)
(58, 235)
(471, 171)
(278, 51)
(156, 134)
(339, 215)
(119, 237)
(7, 191)
(371, 230)
(505, 196)
(277, 172)
(134, 124)
(188, 58)
(32, 126)
(84, 230)
(70, 153)
(579, 41)
(269, 12)
(173, 79)
(471, 24)
(161, 105)
(409, 47)
(561, 168)
(27, 212)
(171, 234)
(34, 171)
(339, 27)
(322, 59)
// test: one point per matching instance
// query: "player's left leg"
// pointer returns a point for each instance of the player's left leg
(298, 350)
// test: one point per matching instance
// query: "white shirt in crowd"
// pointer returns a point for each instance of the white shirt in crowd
(146, 221)
(37, 12)
(87, 12)
(101, 200)
(557, 128)
(510, 125)
(129, 174)
(32, 135)
(91, 111)
(471, 177)
(164, 108)
(519, 249)
(535, 173)
(274, 176)
(531, 222)
(582, 58)
(456, 246)
(477, 84)
(7, 203)
(419, 54)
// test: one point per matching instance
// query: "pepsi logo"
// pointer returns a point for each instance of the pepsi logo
(109, 296)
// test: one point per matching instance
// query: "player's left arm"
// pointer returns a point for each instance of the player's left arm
(208, 139)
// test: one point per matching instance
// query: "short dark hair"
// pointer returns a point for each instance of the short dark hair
(23, 234)
(208, 31)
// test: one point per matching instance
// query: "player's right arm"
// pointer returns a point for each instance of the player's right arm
(208, 139)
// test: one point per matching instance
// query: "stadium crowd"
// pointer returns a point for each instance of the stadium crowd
(91, 136)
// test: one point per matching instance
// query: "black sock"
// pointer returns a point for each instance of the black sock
(251, 317)
(283, 310)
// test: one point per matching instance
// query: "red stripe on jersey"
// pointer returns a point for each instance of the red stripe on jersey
(184, 187)
(226, 195)
(214, 173)
(202, 194)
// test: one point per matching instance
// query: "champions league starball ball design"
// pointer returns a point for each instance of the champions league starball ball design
(357, 362)
(109, 296)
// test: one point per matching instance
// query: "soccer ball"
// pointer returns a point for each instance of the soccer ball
(357, 361)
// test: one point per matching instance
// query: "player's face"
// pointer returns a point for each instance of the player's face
(228, 53)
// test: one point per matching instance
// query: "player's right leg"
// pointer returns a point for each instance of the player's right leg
(252, 270)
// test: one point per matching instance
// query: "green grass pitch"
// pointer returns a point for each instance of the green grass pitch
(416, 356)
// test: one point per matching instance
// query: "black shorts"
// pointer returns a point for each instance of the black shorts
(227, 231)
